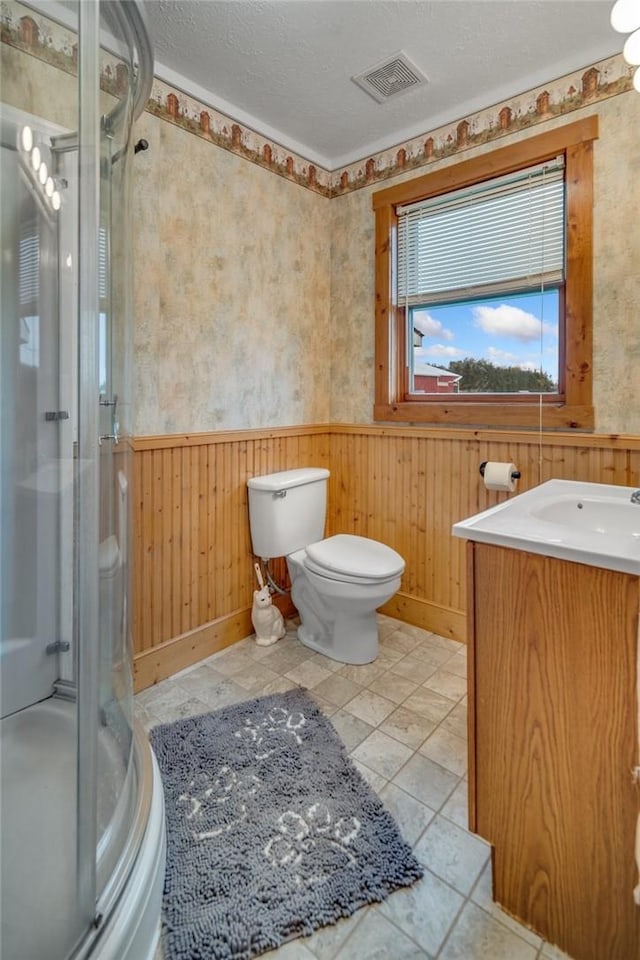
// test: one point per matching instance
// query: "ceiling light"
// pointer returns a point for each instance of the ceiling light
(26, 138)
(43, 173)
(55, 200)
(35, 158)
(625, 16)
(631, 50)
(48, 187)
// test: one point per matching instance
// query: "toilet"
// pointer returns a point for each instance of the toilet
(337, 584)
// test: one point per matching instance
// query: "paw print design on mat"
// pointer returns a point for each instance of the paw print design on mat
(268, 734)
(313, 847)
(217, 806)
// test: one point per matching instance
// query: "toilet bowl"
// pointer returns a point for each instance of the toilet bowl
(338, 583)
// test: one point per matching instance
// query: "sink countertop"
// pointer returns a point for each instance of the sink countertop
(592, 523)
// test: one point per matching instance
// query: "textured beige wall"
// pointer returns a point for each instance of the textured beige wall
(232, 290)
(616, 319)
(254, 298)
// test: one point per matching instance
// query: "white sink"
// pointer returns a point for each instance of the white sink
(592, 523)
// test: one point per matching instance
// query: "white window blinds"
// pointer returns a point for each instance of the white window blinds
(502, 234)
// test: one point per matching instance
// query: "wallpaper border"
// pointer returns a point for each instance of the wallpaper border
(47, 40)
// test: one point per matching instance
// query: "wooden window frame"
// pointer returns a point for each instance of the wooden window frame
(572, 406)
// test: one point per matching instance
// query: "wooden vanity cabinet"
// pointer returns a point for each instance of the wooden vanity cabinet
(553, 741)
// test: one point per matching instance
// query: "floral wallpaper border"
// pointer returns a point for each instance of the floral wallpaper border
(38, 36)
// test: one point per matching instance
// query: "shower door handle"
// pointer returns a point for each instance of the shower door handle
(115, 426)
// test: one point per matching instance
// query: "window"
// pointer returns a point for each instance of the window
(483, 288)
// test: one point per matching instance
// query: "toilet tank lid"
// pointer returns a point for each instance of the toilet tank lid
(287, 478)
(356, 556)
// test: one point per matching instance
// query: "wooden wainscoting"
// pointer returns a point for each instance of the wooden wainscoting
(407, 486)
(193, 573)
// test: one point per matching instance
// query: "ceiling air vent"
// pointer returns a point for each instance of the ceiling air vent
(391, 77)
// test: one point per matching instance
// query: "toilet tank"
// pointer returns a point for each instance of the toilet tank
(287, 510)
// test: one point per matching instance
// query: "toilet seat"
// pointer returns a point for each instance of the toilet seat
(353, 559)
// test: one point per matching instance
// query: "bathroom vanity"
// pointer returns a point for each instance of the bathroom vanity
(554, 595)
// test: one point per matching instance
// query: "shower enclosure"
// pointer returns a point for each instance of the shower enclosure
(82, 818)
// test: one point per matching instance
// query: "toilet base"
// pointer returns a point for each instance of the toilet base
(353, 639)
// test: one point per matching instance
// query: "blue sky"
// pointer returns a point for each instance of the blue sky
(509, 331)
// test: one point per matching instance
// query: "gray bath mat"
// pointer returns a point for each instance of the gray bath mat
(271, 830)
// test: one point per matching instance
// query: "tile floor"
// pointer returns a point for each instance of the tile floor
(403, 719)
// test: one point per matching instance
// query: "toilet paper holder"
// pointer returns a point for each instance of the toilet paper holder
(515, 474)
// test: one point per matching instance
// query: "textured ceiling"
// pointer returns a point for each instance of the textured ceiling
(284, 66)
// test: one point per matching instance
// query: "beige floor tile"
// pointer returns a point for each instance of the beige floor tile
(393, 687)
(482, 896)
(350, 729)
(447, 750)
(431, 653)
(338, 689)
(308, 674)
(426, 781)
(413, 669)
(453, 854)
(326, 706)
(162, 695)
(387, 657)
(430, 704)
(223, 693)
(255, 677)
(178, 711)
(198, 680)
(408, 727)
(326, 942)
(279, 685)
(476, 934)
(403, 641)
(362, 673)
(447, 684)
(425, 911)
(375, 780)
(386, 625)
(453, 646)
(230, 661)
(378, 939)
(332, 665)
(294, 950)
(166, 688)
(370, 707)
(281, 660)
(457, 722)
(382, 754)
(145, 717)
(457, 806)
(411, 816)
(457, 664)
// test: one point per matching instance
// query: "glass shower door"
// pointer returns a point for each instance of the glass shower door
(32, 481)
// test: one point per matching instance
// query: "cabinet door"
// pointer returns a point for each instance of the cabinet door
(554, 738)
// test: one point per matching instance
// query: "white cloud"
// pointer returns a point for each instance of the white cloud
(439, 350)
(506, 321)
(500, 356)
(430, 327)
(530, 365)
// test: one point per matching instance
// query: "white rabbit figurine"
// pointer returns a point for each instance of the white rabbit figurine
(267, 620)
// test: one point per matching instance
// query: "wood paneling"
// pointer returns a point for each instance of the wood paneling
(404, 486)
(194, 576)
(554, 742)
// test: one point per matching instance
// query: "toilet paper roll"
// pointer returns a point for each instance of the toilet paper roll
(499, 476)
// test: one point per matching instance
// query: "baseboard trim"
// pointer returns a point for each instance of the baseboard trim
(158, 663)
(429, 616)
